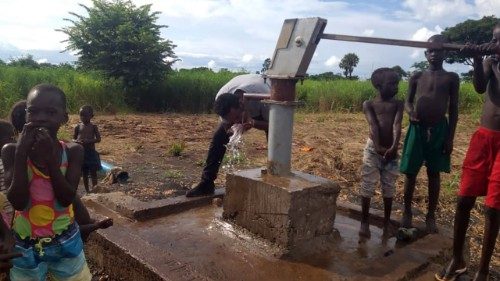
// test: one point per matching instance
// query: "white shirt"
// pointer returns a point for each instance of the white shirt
(249, 83)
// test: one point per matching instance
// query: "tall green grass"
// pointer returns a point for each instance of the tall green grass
(189, 91)
(348, 95)
(80, 88)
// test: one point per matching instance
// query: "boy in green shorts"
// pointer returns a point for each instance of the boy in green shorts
(429, 140)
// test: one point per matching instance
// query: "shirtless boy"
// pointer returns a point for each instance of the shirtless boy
(88, 135)
(481, 168)
(432, 94)
(384, 114)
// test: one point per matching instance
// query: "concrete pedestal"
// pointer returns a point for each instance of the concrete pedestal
(285, 210)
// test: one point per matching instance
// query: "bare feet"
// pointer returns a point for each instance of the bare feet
(430, 225)
(480, 277)
(406, 221)
(452, 271)
(105, 223)
(364, 231)
(388, 231)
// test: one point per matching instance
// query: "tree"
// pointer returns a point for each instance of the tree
(265, 65)
(420, 66)
(326, 76)
(2, 62)
(469, 31)
(348, 63)
(24, 61)
(400, 71)
(121, 40)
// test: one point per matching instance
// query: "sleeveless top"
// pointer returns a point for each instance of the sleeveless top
(44, 216)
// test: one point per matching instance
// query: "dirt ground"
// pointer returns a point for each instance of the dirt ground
(328, 145)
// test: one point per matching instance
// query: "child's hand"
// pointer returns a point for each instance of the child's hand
(248, 125)
(45, 144)
(448, 147)
(105, 223)
(391, 154)
(6, 254)
(413, 117)
(381, 150)
(27, 137)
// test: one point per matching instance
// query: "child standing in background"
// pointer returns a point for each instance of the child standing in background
(87, 134)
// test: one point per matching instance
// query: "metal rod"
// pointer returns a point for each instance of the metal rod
(394, 42)
(256, 96)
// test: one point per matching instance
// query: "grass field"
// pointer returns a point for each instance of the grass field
(188, 91)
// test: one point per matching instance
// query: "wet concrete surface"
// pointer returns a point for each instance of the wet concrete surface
(198, 245)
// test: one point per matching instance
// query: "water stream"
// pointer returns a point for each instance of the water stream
(234, 154)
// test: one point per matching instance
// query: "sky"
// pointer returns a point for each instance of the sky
(238, 34)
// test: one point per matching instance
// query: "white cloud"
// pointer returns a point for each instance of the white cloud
(230, 31)
(428, 10)
(247, 58)
(368, 32)
(423, 33)
(193, 55)
(212, 64)
(44, 60)
(416, 54)
(332, 61)
(488, 7)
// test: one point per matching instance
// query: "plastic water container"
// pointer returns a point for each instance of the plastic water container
(407, 234)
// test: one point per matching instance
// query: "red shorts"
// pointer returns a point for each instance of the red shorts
(481, 168)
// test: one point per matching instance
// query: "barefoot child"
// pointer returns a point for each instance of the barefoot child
(85, 222)
(384, 114)
(481, 169)
(429, 139)
(43, 174)
(88, 135)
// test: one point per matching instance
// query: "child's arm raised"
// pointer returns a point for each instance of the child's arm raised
(396, 133)
(372, 123)
(410, 99)
(481, 74)
(452, 113)
(15, 157)
(64, 186)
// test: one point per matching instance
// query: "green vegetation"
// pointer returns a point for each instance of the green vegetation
(80, 88)
(348, 95)
(173, 174)
(176, 149)
(189, 91)
(122, 40)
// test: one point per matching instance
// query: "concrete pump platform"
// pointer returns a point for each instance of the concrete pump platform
(194, 243)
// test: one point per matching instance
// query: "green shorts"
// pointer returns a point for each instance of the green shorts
(425, 144)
